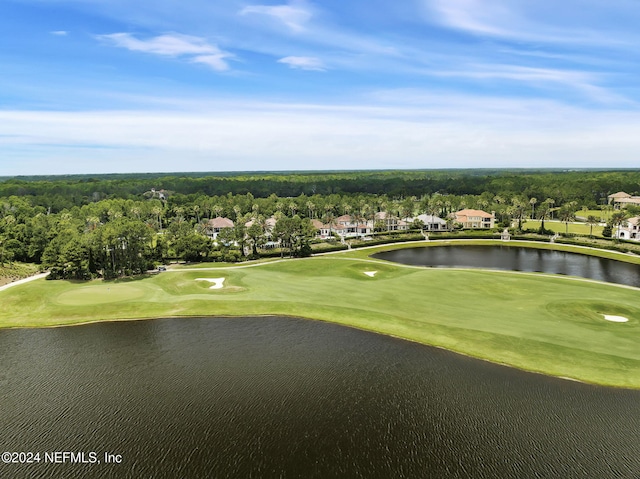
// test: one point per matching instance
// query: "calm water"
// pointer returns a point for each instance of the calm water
(518, 259)
(275, 397)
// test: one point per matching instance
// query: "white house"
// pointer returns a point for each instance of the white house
(629, 230)
(432, 223)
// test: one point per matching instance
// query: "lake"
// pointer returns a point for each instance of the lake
(291, 398)
(517, 259)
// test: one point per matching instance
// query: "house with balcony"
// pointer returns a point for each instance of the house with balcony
(630, 230)
(215, 225)
(622, 199)
(391, 222)
(475, 219)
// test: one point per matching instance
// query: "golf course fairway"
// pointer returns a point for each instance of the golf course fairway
(548, 324)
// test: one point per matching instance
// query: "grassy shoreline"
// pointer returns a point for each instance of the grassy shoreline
(532, 321)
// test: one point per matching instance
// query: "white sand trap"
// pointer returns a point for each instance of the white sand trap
(217, 282)
(371, 274)
(615, 319)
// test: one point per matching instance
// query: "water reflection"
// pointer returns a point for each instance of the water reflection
(518, 259)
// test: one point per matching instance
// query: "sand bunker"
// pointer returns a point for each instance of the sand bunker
(371, 274)
(217, 282)
(615, 319)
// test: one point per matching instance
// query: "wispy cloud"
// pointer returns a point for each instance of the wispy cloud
(304, 63)
(581, 81)
(452, 131)
(570, 22)
(196, 49)
(294, 16)
(60, 33)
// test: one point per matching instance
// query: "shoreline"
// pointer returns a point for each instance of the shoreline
(444, 338)
(346, 325)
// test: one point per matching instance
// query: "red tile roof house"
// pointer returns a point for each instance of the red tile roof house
(215, 225)
(475, 219)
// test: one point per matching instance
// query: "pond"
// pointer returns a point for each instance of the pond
(515, 258)
(291, 398)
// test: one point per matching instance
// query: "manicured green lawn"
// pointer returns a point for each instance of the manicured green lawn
(559, 227)
(553, 325)
(602, 215)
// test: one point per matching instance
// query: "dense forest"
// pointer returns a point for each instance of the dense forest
(114, 225)
(588, 188)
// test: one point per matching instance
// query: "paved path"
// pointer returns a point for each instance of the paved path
(22, 281)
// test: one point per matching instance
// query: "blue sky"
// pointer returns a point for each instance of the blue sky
(98, 86)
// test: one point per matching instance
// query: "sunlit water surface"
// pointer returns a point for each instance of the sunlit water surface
(280, 397)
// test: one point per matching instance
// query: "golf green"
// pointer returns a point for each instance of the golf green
(548, 324)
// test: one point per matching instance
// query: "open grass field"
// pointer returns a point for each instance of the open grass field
(602, 215)
(559, 227)
(536, 322)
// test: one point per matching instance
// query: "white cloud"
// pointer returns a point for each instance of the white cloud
(418, 131)
(581, 81)
(303, 63)
(174, 45)
(171, 45)
(60, 33)
(569, 22)
(295, 17)
(216, 62)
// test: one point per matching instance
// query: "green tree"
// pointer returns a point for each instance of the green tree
(592, 221)
(567, 214)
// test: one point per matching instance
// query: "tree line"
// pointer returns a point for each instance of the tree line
(587, 188)
(127, 235)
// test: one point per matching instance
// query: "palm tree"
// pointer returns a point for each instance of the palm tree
(517, 210)
(533, 202)
(618, 219)
(196, 210)
(311, 208)
(591, 221)
(567, 214)
(543, 213)
(157, 211)
(551, 202)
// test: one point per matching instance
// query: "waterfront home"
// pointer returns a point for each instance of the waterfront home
(391, 222)
(344, 226)
(475, 219)
(431, 222)
(630, 230)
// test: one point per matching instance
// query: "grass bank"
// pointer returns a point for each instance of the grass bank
(552, 325)
(10, 272)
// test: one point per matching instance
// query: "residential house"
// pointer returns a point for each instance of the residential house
(391, 222)
(622, 199)
(629, 230)
(431, 223)
(269, 226)
(475, 219)
(215, 225)
(344, 226)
